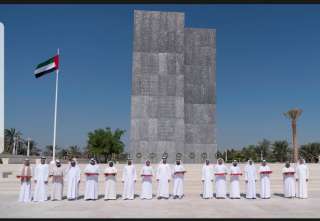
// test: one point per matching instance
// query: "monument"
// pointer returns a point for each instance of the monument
(173, 89)
(1, 87)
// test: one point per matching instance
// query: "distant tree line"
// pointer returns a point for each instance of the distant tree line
(14, 143)
(102, 144)
(277, 151)
(105, 144)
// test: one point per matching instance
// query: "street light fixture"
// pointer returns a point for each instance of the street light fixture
(28, 148)
(14, 145)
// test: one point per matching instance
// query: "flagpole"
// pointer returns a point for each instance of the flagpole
(55, 115)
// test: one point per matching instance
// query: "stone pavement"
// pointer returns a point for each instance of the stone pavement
(192, 206)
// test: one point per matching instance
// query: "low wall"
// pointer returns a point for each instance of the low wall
(19, 159)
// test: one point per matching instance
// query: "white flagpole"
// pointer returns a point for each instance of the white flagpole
(55, 115)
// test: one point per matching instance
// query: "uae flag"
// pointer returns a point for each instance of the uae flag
(46, 67)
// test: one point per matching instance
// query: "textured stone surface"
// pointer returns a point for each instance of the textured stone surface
(199, 94)
(173, 88)
(191, 206)
(157, 103)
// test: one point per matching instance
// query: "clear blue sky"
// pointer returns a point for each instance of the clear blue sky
(268, 61)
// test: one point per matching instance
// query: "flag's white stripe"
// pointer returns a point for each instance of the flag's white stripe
(45, 68)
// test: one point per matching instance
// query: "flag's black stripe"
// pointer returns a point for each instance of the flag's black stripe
(44, 72)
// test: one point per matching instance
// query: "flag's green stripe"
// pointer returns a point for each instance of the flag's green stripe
(51, 60)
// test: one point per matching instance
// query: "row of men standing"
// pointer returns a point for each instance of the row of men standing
(289, 173)
(72, 174)
(163, 176)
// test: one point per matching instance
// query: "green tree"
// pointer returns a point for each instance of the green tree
(63, 153)
(105, 142)
(219, 155)
(238, 155)
(310, 152)
(74, 151)
(250, 152)
(48, 151)
(21, 147)
(117, 145)
(34, 150)
(9, 136)
(281, 151)
(263, 149)
(230, 154)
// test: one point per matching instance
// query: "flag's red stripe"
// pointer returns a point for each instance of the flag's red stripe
(56, 61)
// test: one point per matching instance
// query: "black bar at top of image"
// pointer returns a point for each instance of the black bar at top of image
(159, 1)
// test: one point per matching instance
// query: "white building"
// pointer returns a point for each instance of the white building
(1, 87)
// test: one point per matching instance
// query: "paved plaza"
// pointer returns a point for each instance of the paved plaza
(191, 206)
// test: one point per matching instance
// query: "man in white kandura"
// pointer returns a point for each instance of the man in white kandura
(250, 177)
(178, 176)
(207, 180)
(163, 178)
(146, 176)
(111, 181)
(57, 173)
(302, 177)
(220, 171)
(73, 179)
(289, 187)
(41, 176)
(264, 171)
(92, 176)
(129, 178)
(25, 177)
(235, 174)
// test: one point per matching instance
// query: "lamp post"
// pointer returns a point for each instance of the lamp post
(14, 145)
(28, 148)
(226, 156)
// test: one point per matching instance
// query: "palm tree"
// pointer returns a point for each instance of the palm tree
(280, 150)
(262, 149)
(10, 136)
(293, 115)
(63, 153)
(34, 150)
(310, 152)
(74, 151)
(250, 152)
(48, 151)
